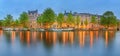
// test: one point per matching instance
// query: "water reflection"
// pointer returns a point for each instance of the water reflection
(13, 36)
(82, 38)
(91, 38)
(28, 37)
(54, 37)
(71, 36)
(49, 39)
(106, 38)
(1, 33)
(96, 35)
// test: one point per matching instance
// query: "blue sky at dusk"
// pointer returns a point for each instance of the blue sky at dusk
(15, 7)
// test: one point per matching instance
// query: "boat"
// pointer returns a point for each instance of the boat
(55, 29)
(8, 29)
(67, 29)
(61, 29)
(40, 29)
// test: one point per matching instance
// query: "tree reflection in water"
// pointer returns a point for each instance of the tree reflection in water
(50, 39)
(1, 33)
(13, 36)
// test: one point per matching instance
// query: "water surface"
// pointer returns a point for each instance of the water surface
(68, 43)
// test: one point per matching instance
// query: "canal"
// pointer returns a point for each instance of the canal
(66, 43)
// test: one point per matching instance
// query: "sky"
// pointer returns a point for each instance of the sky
(16, 7)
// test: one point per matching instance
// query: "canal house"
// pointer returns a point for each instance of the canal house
(33, 15)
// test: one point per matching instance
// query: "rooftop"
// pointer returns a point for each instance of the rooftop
(32, 12)
(81, 14)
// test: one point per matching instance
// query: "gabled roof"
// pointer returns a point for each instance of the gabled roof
(33, 12)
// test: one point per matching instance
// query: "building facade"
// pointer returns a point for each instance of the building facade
(33, 15)
(83, 17)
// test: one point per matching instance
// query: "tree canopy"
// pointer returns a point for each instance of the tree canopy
(8, 20)
(24, 19)
(93, 20)
(17, 22)
(86, 22)
(60, 18)
(108, 19)
(40, 20)
(1, 22)
(77, 20)
(70, 19)
(48, 16)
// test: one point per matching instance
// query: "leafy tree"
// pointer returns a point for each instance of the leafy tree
(17, 23)
(103, 21)
(13, 23)
(93, 20)
(70, 19)
(40, 20)
(108, 19)
(60, 19)
(48, 16)
(24, 20)
(77, 20)
(1, 23)
(86, 22)
(113, 21)
(8, 20)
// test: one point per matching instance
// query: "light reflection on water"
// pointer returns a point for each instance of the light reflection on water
(69, 42)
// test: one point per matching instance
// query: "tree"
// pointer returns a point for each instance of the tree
(113, 21)
(70, 19)
(93, 20)
(24, 19)
(77, 20)
(13, 23)
(48, 16)
(86, 22)
(8, 20)
(1, 23)
(17, 23)
(60, 19)
(40, 20)
(108, 19)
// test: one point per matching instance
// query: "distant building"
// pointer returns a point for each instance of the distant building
(83, 16)
(33, 17)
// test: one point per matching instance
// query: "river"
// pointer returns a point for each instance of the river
(66, 43)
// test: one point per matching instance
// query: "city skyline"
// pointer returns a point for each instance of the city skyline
(16, 7)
